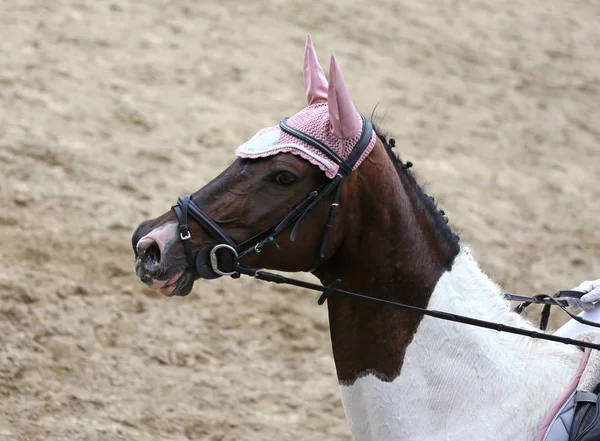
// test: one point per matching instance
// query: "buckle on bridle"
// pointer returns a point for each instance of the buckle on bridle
(214, 261)
(260, 245)
(185, 235)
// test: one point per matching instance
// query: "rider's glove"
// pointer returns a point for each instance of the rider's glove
(588, 300)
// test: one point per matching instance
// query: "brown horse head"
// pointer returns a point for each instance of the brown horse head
(275, 171)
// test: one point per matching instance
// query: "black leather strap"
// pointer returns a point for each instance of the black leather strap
(333, 290)
(361, 145)
(345, 168)
(204, 219)
(333, 210)
(181, 211)
(315, 143)
(184, 202)
(328, 189)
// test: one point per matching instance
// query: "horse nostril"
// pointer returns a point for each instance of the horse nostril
(149, 253)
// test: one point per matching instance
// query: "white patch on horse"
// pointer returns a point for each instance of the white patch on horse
(463, 383)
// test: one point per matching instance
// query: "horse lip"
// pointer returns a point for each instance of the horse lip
(182, 286)
(162, 284)
(149, 279)
(173, 280)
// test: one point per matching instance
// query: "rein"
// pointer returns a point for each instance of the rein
(223, 258)
(331, 289)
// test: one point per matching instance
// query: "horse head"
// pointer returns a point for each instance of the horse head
(298, 166)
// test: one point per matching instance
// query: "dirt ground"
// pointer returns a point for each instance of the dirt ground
(109, 110)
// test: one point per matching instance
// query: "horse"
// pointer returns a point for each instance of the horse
(324, 192)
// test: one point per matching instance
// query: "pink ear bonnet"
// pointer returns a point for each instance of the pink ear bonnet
(330, 119)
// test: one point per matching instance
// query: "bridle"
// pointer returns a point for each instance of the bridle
(213, 261)
(225, 257)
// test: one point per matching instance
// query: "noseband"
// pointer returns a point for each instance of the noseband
(221, 259)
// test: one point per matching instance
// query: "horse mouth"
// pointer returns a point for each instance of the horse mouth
(178, 285)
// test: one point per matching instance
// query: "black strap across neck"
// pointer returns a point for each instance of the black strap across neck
(330, 290)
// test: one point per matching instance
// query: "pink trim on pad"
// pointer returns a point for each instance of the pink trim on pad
(558, 404)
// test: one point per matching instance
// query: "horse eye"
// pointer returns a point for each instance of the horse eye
(285, 178)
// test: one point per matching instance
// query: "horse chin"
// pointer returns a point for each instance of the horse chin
(180, 287)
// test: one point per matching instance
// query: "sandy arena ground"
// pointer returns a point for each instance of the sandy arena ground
(111, 109)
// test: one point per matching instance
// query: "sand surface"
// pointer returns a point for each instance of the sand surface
(111, 109)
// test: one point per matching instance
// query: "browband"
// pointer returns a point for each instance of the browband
(347, 165)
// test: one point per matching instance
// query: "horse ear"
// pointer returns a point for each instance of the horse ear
(315, 82)
(345, 119)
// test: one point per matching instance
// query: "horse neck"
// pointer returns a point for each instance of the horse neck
(423, 369)
(394, 250)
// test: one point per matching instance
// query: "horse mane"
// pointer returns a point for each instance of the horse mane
(437, 215)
